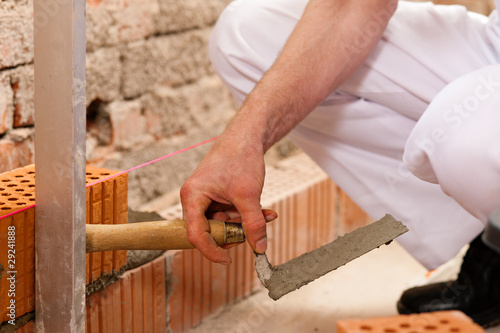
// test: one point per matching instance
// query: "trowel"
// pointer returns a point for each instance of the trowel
(280, 279)
(285, 278)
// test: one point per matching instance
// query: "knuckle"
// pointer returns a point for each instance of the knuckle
(255, 227)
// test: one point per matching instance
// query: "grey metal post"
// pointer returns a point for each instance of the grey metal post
(60, 165)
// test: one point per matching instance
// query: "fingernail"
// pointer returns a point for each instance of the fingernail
(225, 262)
(271, 217)
(261, 245)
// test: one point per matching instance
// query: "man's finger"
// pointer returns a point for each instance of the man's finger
(198, 229)
(254, 225)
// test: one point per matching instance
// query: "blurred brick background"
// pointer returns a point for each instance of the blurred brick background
(150, 87)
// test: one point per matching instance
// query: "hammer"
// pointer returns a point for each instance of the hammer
(156, 235)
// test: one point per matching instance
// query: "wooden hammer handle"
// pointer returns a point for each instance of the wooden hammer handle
(157, 235)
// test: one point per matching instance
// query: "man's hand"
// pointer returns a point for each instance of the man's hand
(318, 56)
(227, 186)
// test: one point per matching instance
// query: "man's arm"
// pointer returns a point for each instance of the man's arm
(331, 40)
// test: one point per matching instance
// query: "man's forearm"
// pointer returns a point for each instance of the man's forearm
(331, 40)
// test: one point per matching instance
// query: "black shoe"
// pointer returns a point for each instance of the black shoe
(476, 291)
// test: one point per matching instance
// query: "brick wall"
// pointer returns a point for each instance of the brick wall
(150, 87)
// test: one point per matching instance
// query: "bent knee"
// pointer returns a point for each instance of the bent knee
(456, 143)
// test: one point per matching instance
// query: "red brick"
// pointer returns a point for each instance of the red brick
(188, 289)
(249, 268)
(137, 301)
(120, 214)
(115, 309)
(159, 295)
(331, 206)
(95, 218)
(17, 191)
(206, 298)
(176, 297)
(87, 221)
(147, 297)
(126, 303)
(22, 260)
(197, 284)
(4, 285)
(436, 322)
(29, 327)
(218, 286)
(107, 218)
(231, 278)
(351, 216)
(93, 313)
(300, 201)
(240, 266)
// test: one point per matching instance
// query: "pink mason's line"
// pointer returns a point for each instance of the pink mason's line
(17, 211)
(153, 161)
(127, 171)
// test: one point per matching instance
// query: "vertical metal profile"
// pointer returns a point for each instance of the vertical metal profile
(59, 30)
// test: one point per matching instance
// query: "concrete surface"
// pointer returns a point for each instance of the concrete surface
(366, 287)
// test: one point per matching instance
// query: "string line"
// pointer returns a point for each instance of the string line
(126, 171)
(152, 161)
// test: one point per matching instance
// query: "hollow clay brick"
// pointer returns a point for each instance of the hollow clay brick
(188, 289)
(197, 288)
(93, 311)
(218, 287)
(107, 218)
(106, 203)
(231, 278)
(435, 322)
(177, 284)
(147, 297)
(134, 303)
(125, 283)
(159, 292)
(351, 216)
(206, 299)
(120, 215)
(29, 327)
(17, 191)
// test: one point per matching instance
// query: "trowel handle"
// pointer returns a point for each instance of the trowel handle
(157, 235)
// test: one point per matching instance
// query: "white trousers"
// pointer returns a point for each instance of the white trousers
(359, 133)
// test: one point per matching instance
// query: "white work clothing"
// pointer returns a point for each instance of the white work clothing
(359, 133)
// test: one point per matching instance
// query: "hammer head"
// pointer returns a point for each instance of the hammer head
(287, 277)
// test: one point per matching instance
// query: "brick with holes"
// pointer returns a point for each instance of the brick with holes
(17, 236)
(435, 322)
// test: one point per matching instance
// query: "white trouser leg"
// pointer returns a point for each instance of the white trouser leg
(358, 134)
